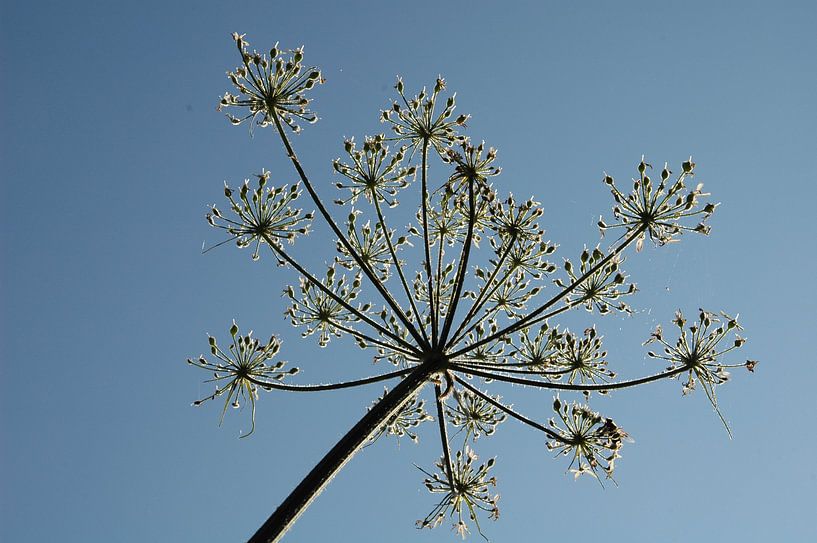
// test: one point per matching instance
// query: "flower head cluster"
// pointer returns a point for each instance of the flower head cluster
(416, 122)
(516, 222)
(529, 257)
(537, 352)
(474, 414)
(658, 211)
(447, 224)
(270, 87)
(471, 165)
(443, 288)
(699, 349)
(371, 246)
(602, 289)
(492, 352)
(590, 440)
(467, 488)
(320, 312)
(373, 173)
(582, 359)
(403, 422)
(512, 296)
(469, 310)
(262, 215)
(239, 371)
(386, 349)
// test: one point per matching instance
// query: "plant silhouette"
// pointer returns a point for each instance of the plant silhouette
(424, 302)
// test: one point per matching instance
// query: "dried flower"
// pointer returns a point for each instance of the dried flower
(263, 215)
(373, 173)
(467, 488)
(241, 370)
(474, 414)
(591, 440)
(319, 311)
(602, 289)
(659, 211)
(271, 87)
(699, 349)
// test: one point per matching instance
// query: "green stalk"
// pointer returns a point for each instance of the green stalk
(316, 480)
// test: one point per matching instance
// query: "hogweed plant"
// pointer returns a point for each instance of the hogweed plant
(422, 301)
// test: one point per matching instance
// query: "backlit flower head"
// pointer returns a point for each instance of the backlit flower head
(467, 490)
(602, 289)
(419, 120)
(315, 309)
(659, 211)
(474, 414)
(471, 164)
(271, 86)
(582, 359)
(529, 257)
(371, 246)
(537, 352)
(591, 441)
(492, 352)
(373, 173)
(699, 349)
(517, 222)
(404, 421)
(261, 215)
(239, 371)
(512, 297)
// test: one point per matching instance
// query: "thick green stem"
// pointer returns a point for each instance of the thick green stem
(313, 484)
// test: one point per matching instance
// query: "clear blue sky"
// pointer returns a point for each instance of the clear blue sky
(111, 149)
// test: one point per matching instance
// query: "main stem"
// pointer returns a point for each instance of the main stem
(313, 484)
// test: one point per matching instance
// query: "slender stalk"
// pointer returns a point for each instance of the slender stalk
(449, 470)
(313, 484)
(397, 265)
(330, 386)
(521, 418)
(566, 386)
(509, 368)
(362, 316)
(461, 267)
(483, 296)
(331, 222)
(438, 284)
(524, 321)
(426, 242)
(374, 341)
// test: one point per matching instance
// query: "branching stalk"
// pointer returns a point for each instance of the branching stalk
(331, 222)
(524, 321)
(417, 315)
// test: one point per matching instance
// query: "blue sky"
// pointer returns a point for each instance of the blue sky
(111, 150)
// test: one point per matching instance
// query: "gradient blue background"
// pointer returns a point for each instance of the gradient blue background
(111, 151)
